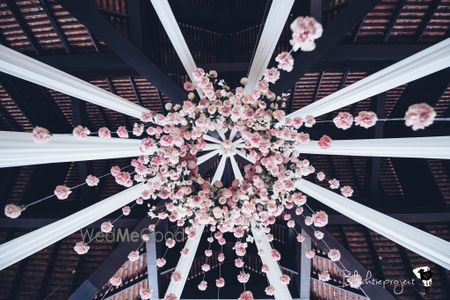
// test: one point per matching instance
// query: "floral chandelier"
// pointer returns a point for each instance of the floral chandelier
(250, 125)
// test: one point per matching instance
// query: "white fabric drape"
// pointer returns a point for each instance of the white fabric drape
(433, 248)
(278, 14)
(173, 31)
(30, 243)
(428, 61)
(19, 149)
(27, 68)
(184, 263)
(437, 147)
(274, 274)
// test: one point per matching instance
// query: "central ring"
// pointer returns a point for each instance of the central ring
(227, 148)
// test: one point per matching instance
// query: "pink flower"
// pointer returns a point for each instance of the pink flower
(176, 276)
(189, 86)
(138, 130)
(239, 263)
(275, 255)
(133, 256)
(116, 279)
(81, 132)
(355, 281)
(247, 295)
(285, 279)
(318, 234)
(309, 221)
(270, 290)
(304, 31)
(346, 191)
(243, 277)
(320, 176)
(334, 183)
(309, 121)
(208, 253)
(419, 116)
(334, 255)
(206, 267)
(265, 268)
(285, 61)
(279, 115)
(160, 262)
(324, 276)
(62, 192)
(147, 116)
(203, 285)
(104, 133)
(170, 243)
(300, 238)
(145, 293)
(170, 296)
(309, 254)
(91, 180)
(81, 248)
(343, 120)
(220, 282)
(12, 211)
(303, 138)
(122, 132)
(272, 75)
(106, 227)
(221, 257)
(198, 74)
(320, 218)
(366, 119)
(126, 210)
(41, 135)
(325, 142)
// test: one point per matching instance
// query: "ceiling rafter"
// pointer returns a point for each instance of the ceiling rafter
(102, 28)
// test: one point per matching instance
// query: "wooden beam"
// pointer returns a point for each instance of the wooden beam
(347, 259)
(17, 14)
(341, 57)
(336, 30)
(36, 103)
(96, 280)
(56, 26)
(86, 13)
(304, 267)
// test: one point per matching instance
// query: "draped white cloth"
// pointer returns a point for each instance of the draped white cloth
(429, 246)
(27, 68)
(30, 243)
(278, 14)
(184, 263)
(274, 274)
(428, 61)
(19, 149)
(437, 147)
(175, 35)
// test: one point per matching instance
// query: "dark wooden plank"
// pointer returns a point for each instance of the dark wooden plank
(86, 13)
(336, 31)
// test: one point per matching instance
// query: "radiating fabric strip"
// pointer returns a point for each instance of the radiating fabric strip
(276, 19)
(184, 263)
(437, 147)
(426, 62)
(30, 243)
(175, 35)
(19, 149)
(274, 274)
(27, 68)
(429, 246)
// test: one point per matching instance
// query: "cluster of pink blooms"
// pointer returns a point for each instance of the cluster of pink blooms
(419, 116)
(305, 30)
(365, 119)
